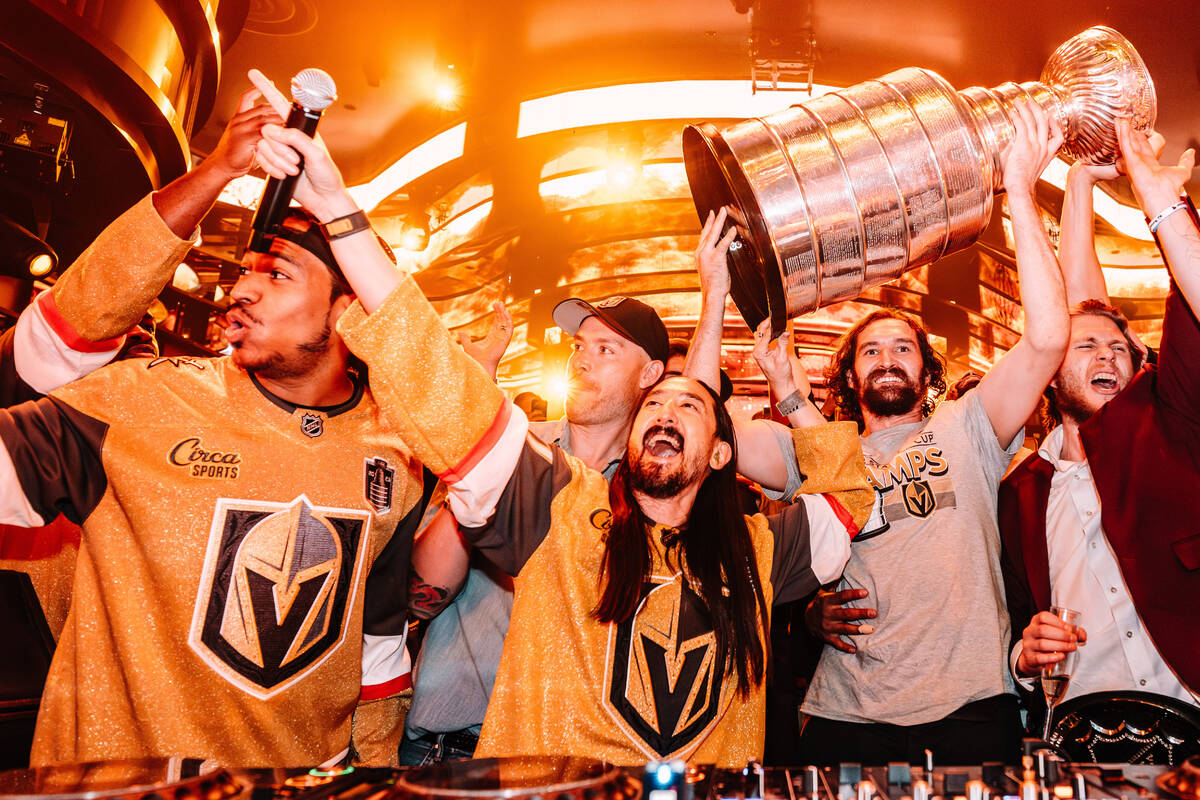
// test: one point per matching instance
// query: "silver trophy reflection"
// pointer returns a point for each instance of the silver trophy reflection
(852, 189)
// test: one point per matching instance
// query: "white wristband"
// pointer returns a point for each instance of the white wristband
(1166, 212)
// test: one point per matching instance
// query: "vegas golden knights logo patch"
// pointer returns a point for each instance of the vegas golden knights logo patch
(664, 685)
(919, 499)
(278, 580)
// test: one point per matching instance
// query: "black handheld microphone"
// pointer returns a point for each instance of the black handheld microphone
(312, 92)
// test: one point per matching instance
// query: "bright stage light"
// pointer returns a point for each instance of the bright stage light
(447, 92)
(40, 265)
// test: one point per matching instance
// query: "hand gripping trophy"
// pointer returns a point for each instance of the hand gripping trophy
(852, 189)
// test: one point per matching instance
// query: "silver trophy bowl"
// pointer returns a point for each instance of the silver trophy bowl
(852, 189)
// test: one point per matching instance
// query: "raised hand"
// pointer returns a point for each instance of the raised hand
(288, 151)
(712, 253)
(1036, 139)
(234, 153)
(777, 360)
(828, 619)
(490, 349)
(1156, 186)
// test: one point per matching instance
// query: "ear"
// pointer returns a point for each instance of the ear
(851, 381)
(720, 455)
(651, 372)
(338, 307)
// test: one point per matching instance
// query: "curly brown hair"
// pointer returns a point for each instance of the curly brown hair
(837, 373)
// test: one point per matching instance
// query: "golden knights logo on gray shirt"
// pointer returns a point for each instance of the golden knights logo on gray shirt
(276, 584)
(914, 483)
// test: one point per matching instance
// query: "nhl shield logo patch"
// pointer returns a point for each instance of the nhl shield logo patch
(276, 590)
(378, 479)
(312, 425)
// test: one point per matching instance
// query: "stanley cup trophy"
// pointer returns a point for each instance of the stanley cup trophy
(852, 189)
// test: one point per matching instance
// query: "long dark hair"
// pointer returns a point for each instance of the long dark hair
(716, 554)
(842, 365)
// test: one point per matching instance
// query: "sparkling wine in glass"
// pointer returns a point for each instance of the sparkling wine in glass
(1056, 677)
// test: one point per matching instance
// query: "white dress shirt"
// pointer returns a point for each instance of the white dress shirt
(1084, 576)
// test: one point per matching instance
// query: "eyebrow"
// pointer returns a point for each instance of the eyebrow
(691, 395)
(615, 338)
(878, 342)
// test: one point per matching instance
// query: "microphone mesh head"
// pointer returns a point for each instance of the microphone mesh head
(313, 89)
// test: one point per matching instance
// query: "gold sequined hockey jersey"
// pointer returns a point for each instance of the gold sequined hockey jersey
(645, 689)
(233, 545)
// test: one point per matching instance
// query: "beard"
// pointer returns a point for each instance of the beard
(1072, 401)
(891, 400)
(276, 365)
(658, 480)
(595, 407)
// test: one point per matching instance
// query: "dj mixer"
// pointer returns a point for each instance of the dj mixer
(1040, 777)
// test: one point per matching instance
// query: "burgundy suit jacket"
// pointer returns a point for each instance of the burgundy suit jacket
(1143, 448)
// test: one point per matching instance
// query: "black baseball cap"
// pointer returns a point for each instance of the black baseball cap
(633, 319)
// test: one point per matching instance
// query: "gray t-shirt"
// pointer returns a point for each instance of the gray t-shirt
(930, 558)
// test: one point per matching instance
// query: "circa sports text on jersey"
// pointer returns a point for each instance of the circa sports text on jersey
(278, 580)
(664, 686)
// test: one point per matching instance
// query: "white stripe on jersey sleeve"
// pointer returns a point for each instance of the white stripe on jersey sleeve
(828, 541)
(384, 659)
(14, 507)
(43, 360)
(473, 499)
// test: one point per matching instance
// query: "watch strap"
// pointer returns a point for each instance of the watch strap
(347, 225)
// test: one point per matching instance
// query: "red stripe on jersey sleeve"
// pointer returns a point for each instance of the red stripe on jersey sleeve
(379, 691)
(67, 333)
(844, 516)
(482, 447)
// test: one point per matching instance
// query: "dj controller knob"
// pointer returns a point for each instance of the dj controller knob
(921, 790)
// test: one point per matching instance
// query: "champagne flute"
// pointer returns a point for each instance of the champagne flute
(1056, 677)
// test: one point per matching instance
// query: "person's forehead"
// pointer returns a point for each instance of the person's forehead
(886, 330)
(1093, 325)
(284, 250)
(679, 385)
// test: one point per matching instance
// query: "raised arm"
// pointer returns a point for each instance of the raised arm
(704, 352)
(1077, 249)
(786, 376)
(1158, 188)
(760, 455)
(1010, 391)
(108, 289)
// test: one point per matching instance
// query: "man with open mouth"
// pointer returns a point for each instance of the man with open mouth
(1100, 519)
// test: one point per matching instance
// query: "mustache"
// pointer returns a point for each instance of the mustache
(883, 372)
(670, 431)
(241, 309)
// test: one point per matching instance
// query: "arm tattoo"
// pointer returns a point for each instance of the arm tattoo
(425, 600)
